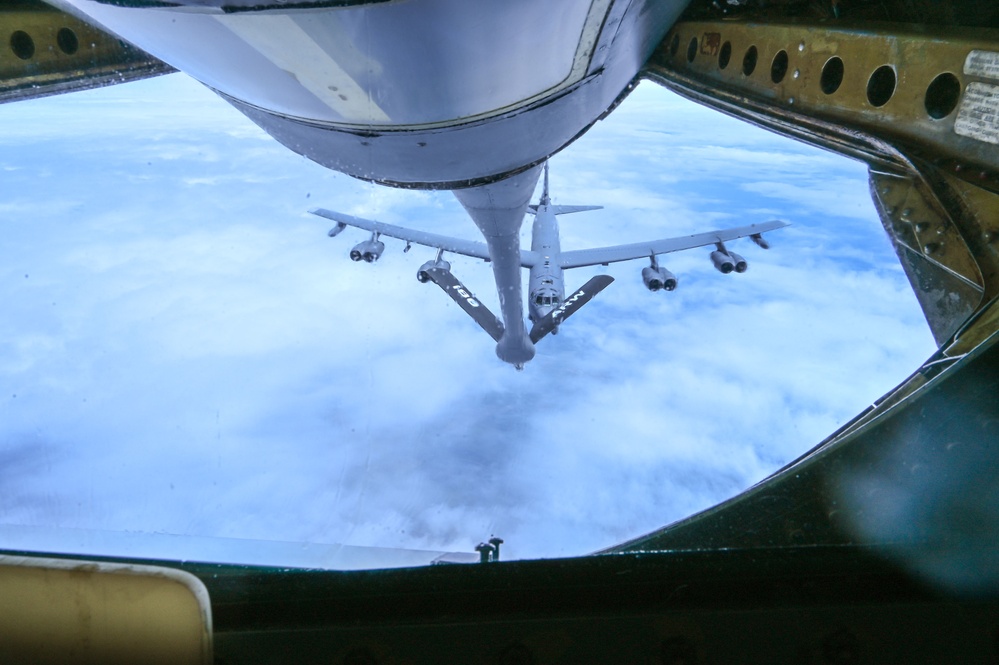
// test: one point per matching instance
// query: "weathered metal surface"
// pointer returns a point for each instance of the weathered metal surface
(912, 102)
(975, 211)
(44, 51)
(943, 273)
(931, 91)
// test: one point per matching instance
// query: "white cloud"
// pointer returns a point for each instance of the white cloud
(191, 354)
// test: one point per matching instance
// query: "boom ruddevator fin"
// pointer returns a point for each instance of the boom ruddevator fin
(570, 306)
(461, 295)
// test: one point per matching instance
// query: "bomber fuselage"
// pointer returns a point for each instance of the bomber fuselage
(546, 288)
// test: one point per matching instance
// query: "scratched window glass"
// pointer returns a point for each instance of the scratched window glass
(187, 357)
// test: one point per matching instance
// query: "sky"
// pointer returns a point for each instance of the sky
(184, 351)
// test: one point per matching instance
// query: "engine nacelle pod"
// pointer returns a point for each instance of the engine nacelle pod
(740, 263)
(723, 262)
(374, 252)
(658, 278)
(422, 275)
(369, 251)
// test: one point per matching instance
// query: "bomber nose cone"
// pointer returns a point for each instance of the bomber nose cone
(544, 310)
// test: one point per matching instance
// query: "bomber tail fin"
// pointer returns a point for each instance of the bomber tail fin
(461, 295)
(570, 306)
(545, 199)
(558, 210)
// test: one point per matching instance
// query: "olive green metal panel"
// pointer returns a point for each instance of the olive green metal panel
(943, 273)
(915, 103)
(934, 90)
(44, 51)
(810, 604)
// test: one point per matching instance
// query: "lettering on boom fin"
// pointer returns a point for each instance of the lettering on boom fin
(472, 302)
(561, 308)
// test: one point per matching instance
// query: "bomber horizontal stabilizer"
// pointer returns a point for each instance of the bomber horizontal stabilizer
(564, 210)
(569, 306)
(461, 295)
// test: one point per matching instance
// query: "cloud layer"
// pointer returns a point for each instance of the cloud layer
(183, 350)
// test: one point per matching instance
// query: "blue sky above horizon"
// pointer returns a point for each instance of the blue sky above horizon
(184, 351)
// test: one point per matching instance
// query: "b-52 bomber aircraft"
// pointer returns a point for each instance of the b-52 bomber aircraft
(547, 305)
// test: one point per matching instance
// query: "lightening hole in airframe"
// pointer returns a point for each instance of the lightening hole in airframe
(942, 95)
(692, 49)
(67, 41)
(832, 75)
(749, 61)
(778, 68)
(881, 85)
(22, 45)
(724, 55)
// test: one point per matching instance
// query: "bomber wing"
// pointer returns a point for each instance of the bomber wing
(640, 250)
(447, 243)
